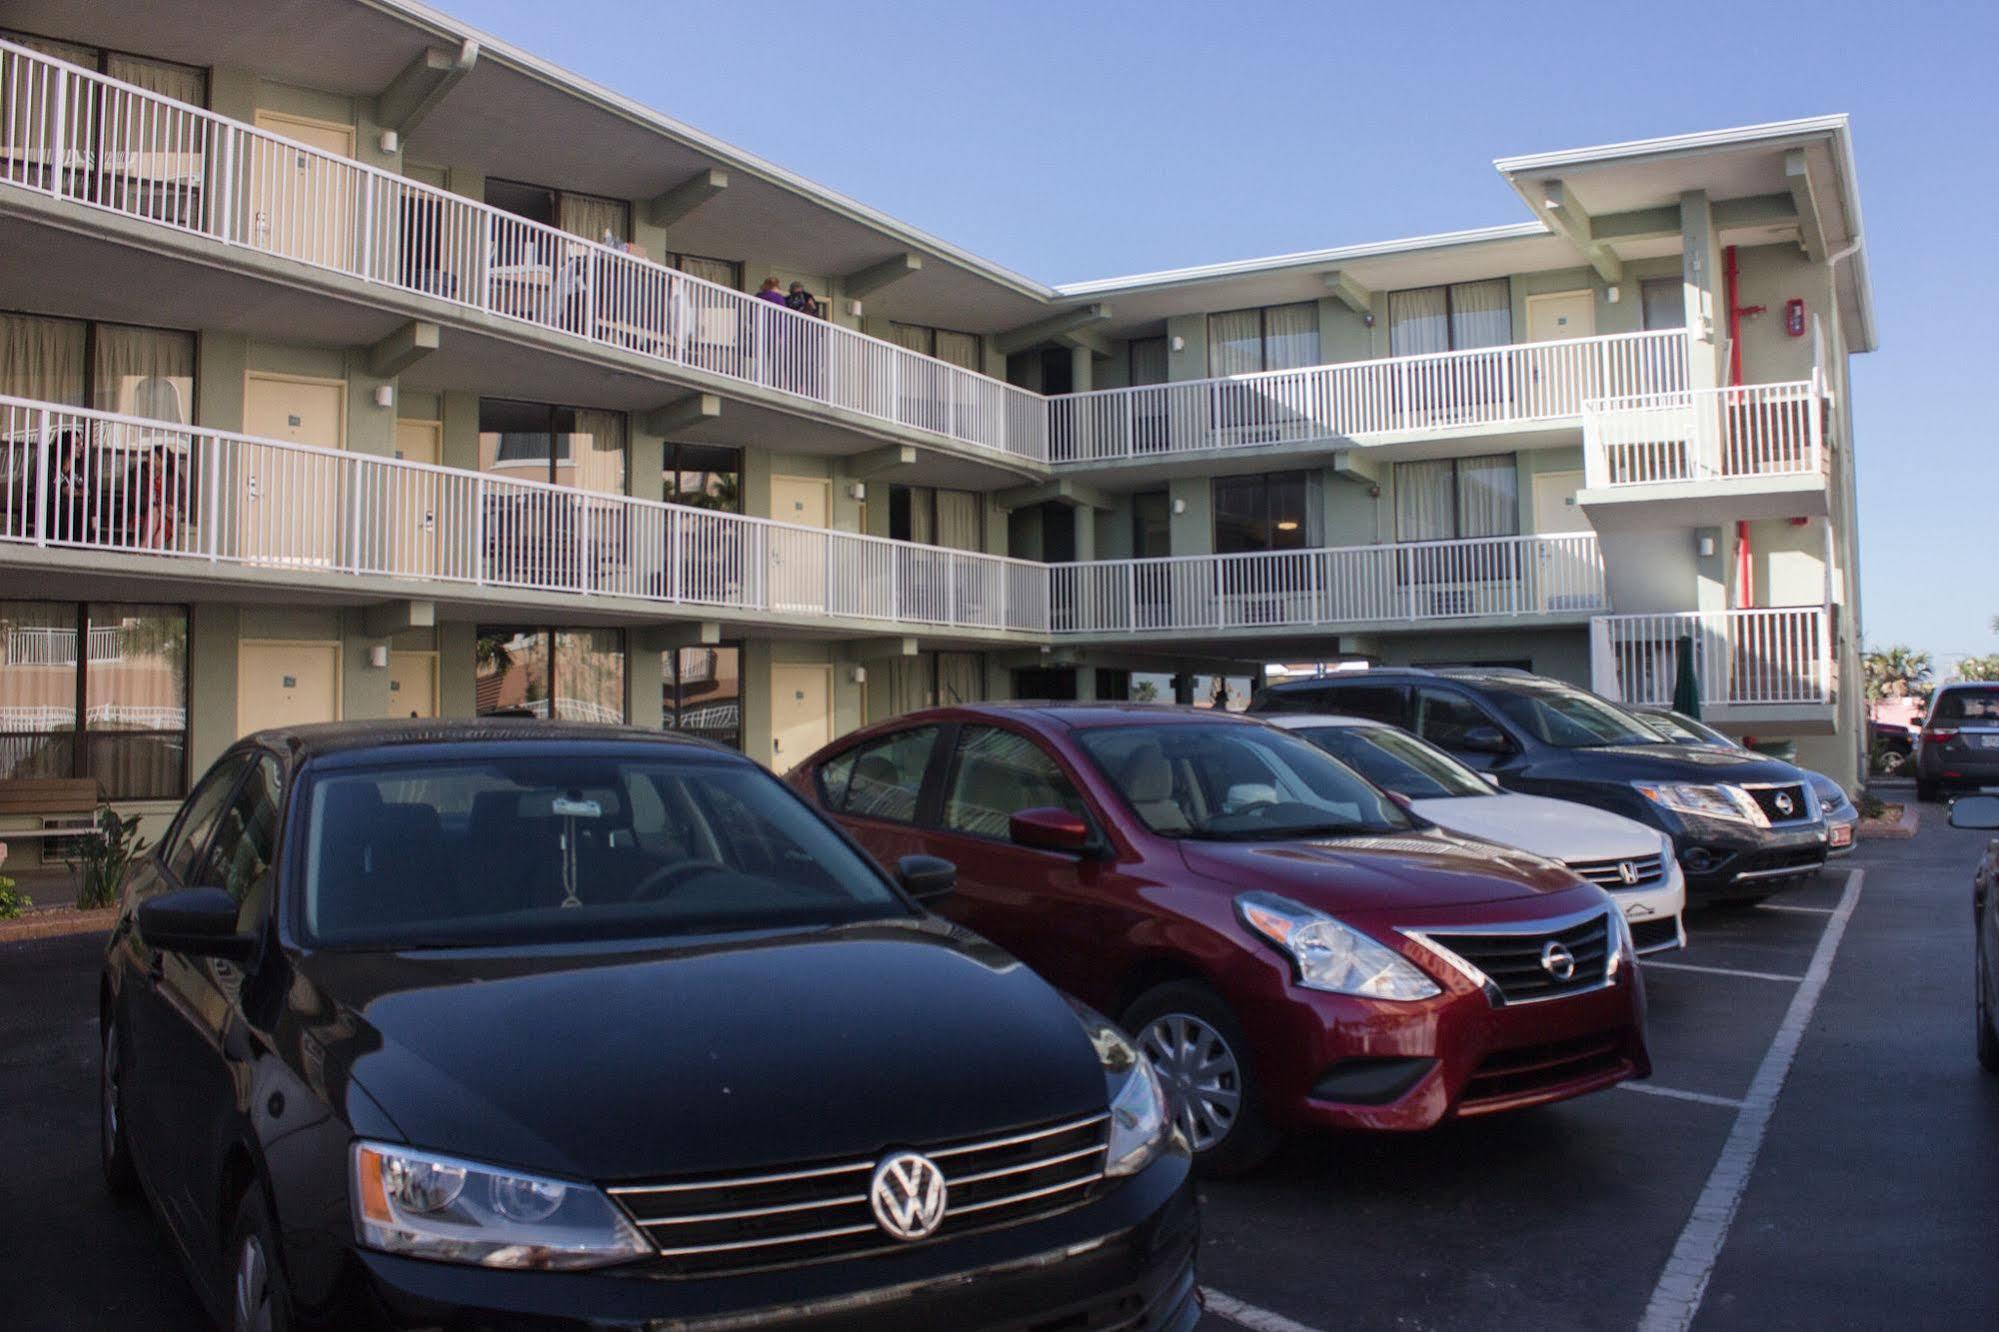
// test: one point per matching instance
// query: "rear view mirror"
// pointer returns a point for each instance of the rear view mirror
(200, 922)
(926, 878)
(1049, 829)
(1486, 740)
(1980, 812)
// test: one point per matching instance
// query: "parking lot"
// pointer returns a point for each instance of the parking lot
(1817, 1147)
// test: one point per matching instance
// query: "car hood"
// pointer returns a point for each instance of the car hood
(1680, 763)
(1414, 870)
(747, 1054)
(1558, 829)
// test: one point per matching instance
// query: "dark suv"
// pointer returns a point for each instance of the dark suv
(1744, 826)
(1959, 746)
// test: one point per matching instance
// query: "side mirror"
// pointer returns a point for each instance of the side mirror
(1980, 812)
(1049, 829)
(200, 922)
(926, 878)
(1485, 740)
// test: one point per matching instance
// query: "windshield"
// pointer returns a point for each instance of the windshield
(1236, 782)
(1397, 761)
(1683, 730)
(1571, 719)
(563, 847)
(1967, 705)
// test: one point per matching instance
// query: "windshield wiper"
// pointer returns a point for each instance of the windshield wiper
(1282, 833)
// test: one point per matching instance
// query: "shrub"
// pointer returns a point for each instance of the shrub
(102, 861)
(12, 903)
(1870, 805)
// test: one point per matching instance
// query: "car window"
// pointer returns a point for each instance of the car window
(1235, 782)
(1376, 702)
(200, 815)
(881, 779)
(995, 774)
(246, 836)
(1967, 705)
(1571, 719)
(1397, 761)
(520, 849)
(1443, 717)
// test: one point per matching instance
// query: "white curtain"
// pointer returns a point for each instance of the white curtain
(959, 349)
(1291, 336)
(1424, 501)
(921, 512)
(183, 83)
(1418, 322)
(145, 372)
(915, 337)
(1488, 496)
(958, 525)
(722, 272)
(596, 455)
(1481, 314)
(1148, 361)
(42, 359)
(960, 677)
(588, 216)
(909, 683)
(1235, 343)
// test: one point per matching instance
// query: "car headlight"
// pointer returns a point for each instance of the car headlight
(430, 1206)
(1330, 955)
(1138, 1102)
(1712, 802)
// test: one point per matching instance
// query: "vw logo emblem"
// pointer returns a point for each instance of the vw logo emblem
(1785, 805)
(1558, 961)
(1627, 872)
(908, 1195)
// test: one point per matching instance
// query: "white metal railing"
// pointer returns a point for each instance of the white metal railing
(83, 137)
(1432, 580)
(1520, 384)
(1698, 435)
(1752, 656)
(75, 478)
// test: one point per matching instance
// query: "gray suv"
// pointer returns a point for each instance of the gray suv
(1959, 745)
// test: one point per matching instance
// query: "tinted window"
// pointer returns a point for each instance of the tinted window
(1376, 702)
(1443, 717)
(1236, 782)
(246, 836)
(199, 817)
(1571, 719)
(520, 849)
(1397, 761)
(995, 775)
(1967, 705)
(881, 779)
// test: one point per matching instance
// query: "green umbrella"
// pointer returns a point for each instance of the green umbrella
(1686, 685)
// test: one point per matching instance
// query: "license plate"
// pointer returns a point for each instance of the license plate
(1988, 742)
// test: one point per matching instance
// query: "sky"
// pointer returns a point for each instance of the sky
(1069, 141)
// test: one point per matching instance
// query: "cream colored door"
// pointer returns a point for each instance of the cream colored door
(801, 713)
(1566, 571)
(291, 504)
(412, 684)
(800, 581)
(1557, 315)
(281, 683)
(301, 204)
(414, 501)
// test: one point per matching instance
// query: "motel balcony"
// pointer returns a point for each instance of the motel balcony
(1769, 668)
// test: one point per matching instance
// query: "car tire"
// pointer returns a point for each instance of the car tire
(1988, 1039)
(1202, 1056)
(258, 1298)
(114, 1149)
(1891, 762)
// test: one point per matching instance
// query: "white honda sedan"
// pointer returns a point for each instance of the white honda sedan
(1633, 863)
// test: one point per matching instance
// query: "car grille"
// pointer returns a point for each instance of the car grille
(1509, 1074)
(1513, 961)
(1645, 871)
(1771, 799)
(1648, 935)
(731, 1223)
(1773, 864)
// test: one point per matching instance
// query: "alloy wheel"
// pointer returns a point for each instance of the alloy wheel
(1201, 1074)
(251, 1306)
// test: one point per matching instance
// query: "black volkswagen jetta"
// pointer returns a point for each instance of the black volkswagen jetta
(506, 1024)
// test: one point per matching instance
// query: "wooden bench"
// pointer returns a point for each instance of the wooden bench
(67, 806)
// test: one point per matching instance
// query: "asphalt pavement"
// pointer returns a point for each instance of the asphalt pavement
(1817, 1148)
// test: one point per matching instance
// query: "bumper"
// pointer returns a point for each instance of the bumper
(1956, 767)
(1730, 861)
(1654, 915)
(1125, 1260)
(1337, 1062)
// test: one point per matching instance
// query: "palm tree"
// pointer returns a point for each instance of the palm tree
(1897, 672)
(1979, 668)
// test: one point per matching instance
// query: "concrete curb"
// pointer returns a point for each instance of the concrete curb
(56, 922)
(1899, 830)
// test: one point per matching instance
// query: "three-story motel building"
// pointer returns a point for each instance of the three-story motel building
(355, 364)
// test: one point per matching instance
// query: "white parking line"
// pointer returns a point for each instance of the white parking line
(1721, 971)
(1248, 1315)
(1802, 910)
(1676, 1299)
(1705, 1098)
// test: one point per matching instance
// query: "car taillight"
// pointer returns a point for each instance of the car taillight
(1937, 735)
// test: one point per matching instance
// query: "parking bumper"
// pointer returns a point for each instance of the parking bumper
(1125, 1259)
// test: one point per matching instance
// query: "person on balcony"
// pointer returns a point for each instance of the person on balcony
(807, 347)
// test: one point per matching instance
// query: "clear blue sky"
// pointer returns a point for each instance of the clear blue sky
(1072, 141)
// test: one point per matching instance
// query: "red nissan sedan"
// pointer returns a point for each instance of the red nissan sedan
(1291, 947)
